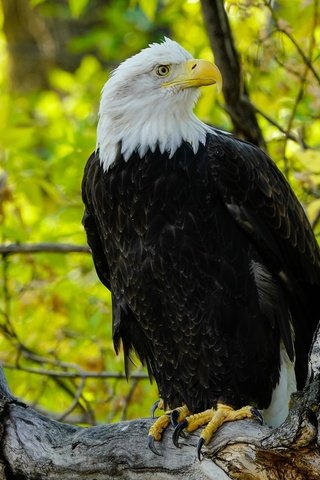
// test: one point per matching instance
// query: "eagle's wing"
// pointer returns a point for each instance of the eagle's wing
(260, 200)
(89, 187)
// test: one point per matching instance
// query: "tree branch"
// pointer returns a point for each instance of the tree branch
(286, 133)
(36, 447)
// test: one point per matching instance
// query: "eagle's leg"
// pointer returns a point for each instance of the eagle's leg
(214, 418)
(175, 416)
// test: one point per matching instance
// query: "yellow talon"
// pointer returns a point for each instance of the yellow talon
(159, 425)
(198, 419)
(175, 416)
(214, 418)
(223, 414)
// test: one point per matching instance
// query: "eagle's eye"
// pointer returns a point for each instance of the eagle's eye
(162, 70)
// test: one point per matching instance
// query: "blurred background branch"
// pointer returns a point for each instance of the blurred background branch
(15, 248)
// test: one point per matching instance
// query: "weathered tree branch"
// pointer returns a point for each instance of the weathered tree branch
(33, 446)
(238, 105)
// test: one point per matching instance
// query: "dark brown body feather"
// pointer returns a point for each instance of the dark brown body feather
(209, 258)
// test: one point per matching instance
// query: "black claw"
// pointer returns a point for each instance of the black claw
(199, 447)
(152, 446)
(174, 421)
(174, 418)
(257, 414)
(177, 432)
(154, 408)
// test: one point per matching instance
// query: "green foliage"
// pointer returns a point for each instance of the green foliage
(77, 7)
(54, 314)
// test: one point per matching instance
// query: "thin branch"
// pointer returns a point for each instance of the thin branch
(83, 374)
(298, 99)
(288, 134)
(303, 81)
(128, 398)
(307, 60)
(75, 402)
(7, 326)
(25, 248)
(287, 68)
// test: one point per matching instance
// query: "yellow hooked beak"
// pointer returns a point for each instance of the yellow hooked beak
(196, 73)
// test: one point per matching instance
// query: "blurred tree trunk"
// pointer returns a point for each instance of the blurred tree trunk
(37, 42)
(238, 104)
(31, 48)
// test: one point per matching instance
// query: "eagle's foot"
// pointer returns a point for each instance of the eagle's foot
(213, 418)
(175, 417)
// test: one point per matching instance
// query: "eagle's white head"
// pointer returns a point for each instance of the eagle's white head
(148, 102)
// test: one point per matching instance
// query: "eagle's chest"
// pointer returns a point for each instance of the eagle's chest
(169, 244)
(160, 223)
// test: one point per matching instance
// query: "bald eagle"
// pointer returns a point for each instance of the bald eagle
(212, 264)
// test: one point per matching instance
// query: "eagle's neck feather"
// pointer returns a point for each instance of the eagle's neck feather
(126, 128)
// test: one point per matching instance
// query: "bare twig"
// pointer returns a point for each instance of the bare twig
(128, 398)
(75, 402)
(6, 326)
